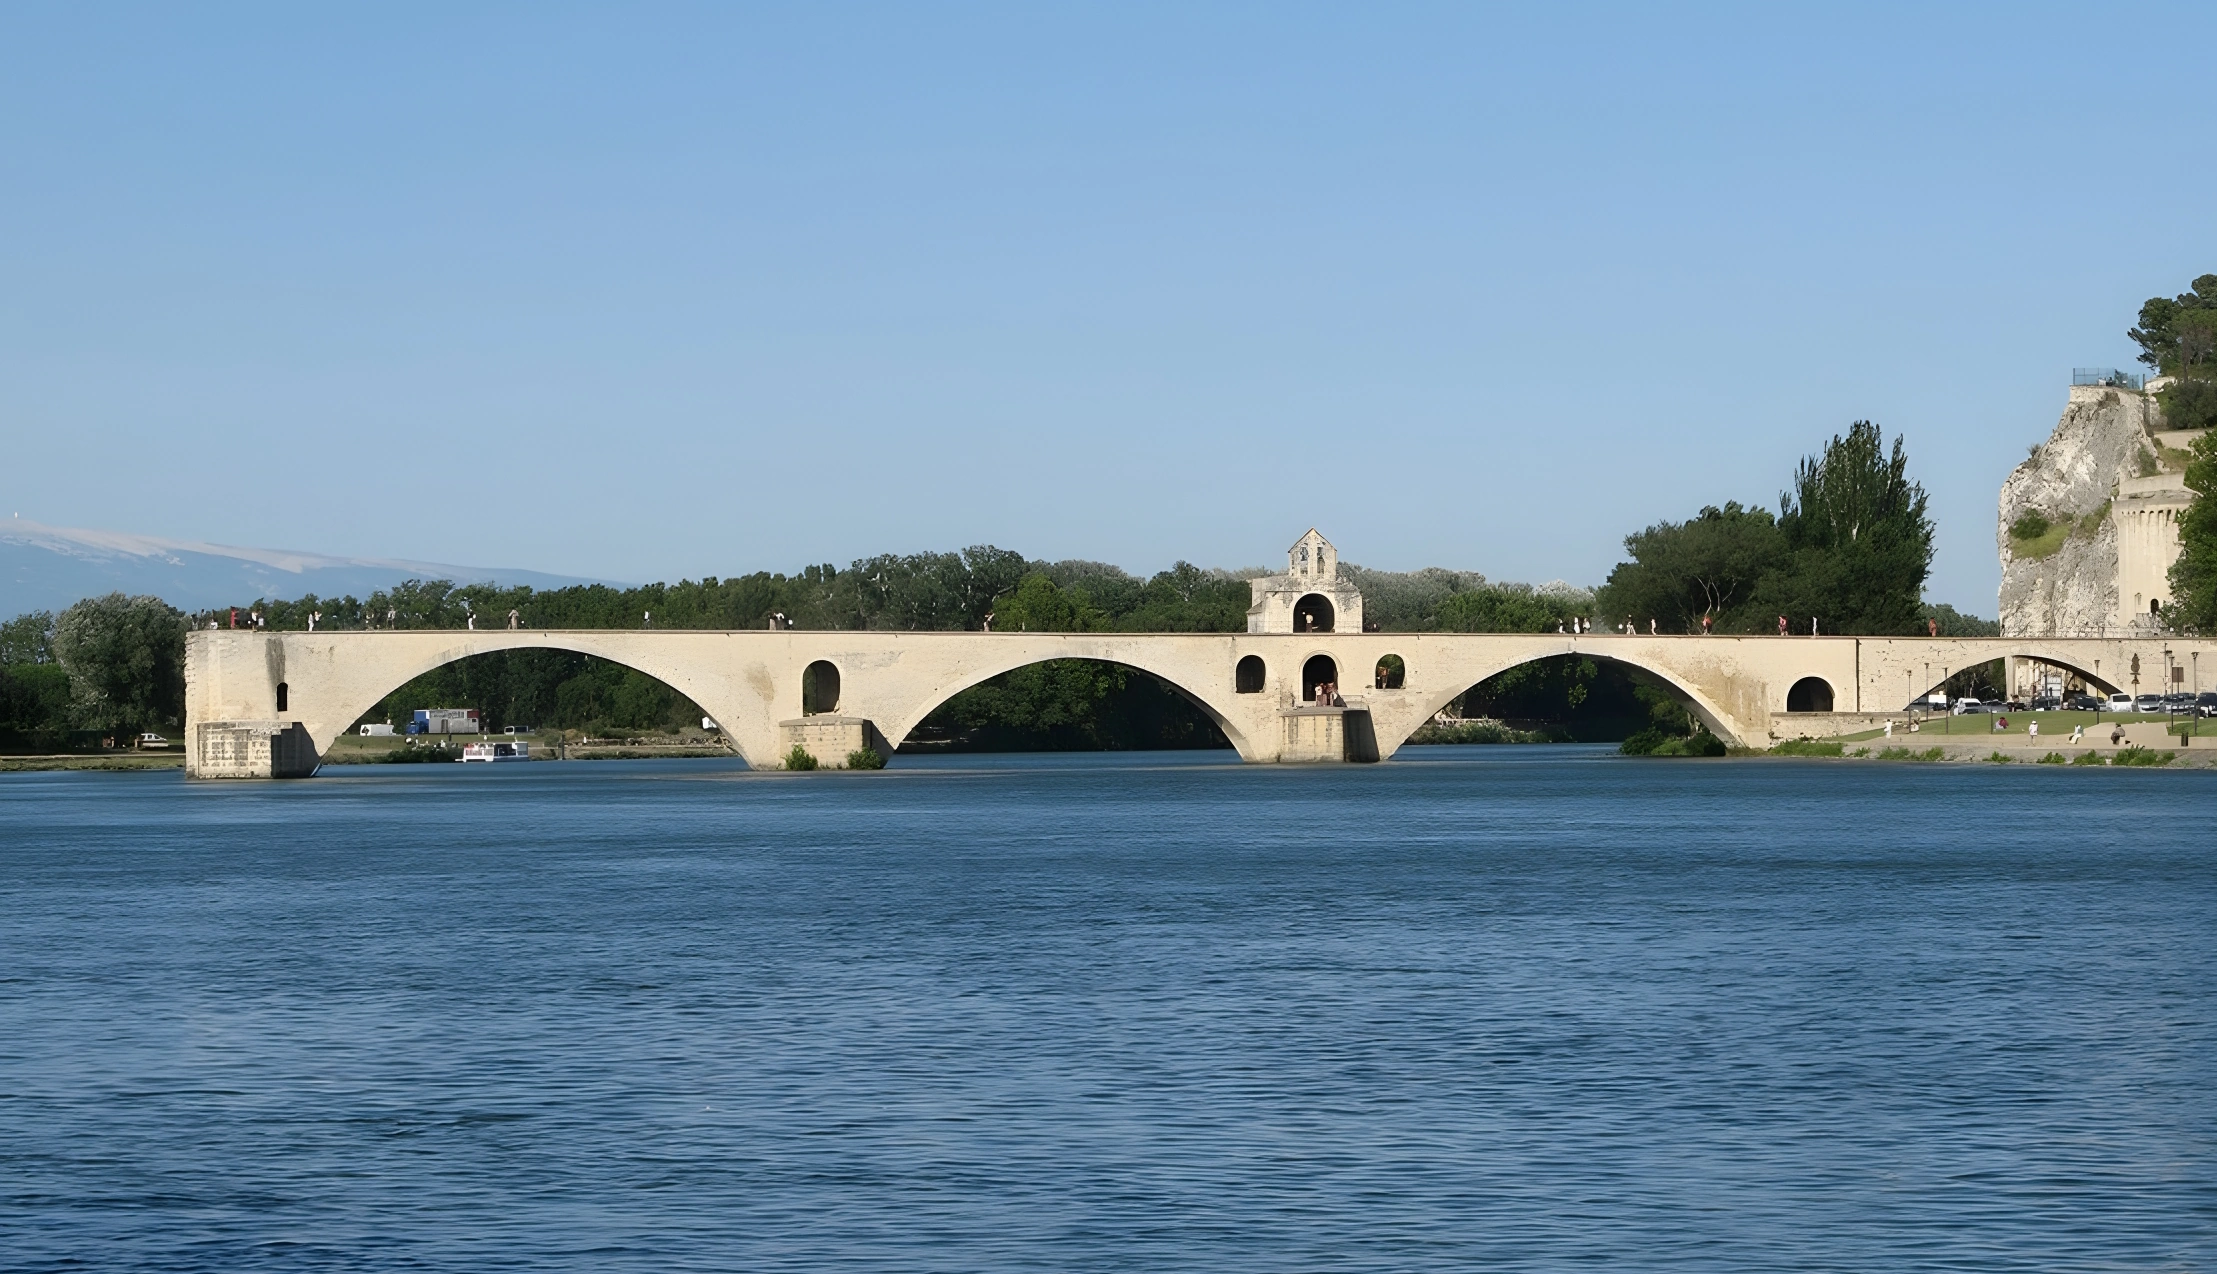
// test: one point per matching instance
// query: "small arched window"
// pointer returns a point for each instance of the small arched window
(1247, 678)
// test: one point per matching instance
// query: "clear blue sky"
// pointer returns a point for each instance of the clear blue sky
(659, 291)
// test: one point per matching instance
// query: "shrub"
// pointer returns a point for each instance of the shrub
(800, 759)
(2052, 758)
(864, 758)
(1642, 744)
(2144, 756)
(2030, 525)
(413, 756)
(1904, 754)
(1656, 743)
(1997, 758)
(1809, 747)
(2088, 757)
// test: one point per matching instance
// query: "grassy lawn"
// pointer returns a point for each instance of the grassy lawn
(172, 760)
(2053, 725)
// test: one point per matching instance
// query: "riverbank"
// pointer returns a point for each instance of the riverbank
(2153, 754)
(96, 761)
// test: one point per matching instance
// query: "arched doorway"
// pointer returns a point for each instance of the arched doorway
(1810, 694)
(1391, 673)
(1318, 671)
(819, 688)
(1247, 678)
(1312, 614)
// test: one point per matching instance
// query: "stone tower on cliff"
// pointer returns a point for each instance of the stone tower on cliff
(2088, 525)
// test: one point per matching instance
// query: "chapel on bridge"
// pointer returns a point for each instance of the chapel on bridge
(1310, 597)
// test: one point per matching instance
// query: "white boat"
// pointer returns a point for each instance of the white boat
(496, 752)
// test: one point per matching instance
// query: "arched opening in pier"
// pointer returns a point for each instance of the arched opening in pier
(1390, 674)
(1248, 677)
(284, 698)
(1810, 694)
(1069, 705)
(819, 688)
(1312, 614)
(1318, 671)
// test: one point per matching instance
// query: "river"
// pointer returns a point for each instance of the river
(1523, 1008)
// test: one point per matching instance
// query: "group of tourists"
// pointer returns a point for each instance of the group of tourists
(1629, 628)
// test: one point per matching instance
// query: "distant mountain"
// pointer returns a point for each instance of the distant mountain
(49, 567)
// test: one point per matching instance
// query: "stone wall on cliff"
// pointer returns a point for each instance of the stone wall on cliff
(2065, 583)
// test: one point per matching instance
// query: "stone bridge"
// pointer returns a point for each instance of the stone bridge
(263, 704)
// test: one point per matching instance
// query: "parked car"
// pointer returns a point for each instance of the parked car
(2148, 703)
(2120, 702)
(2179, 701)
(2082, 703)
(151, 741)
(2047, 703)
(1969, 704)
(2205, 703)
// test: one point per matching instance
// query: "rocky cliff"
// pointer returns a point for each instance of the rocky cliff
(2062, 578)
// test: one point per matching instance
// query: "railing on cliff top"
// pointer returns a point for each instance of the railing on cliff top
(2109, 376)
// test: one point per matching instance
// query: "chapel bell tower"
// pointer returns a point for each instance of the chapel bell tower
(1310, 597)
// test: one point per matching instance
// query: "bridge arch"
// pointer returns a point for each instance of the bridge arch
(1458, 677)
(1008, 652)
(382, 663)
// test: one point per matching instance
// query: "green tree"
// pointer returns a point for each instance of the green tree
(1187, 599)
(1502, 608)
(1037, 605)
(34, 703)
(2189, 402)
(1858, 540)
(2193, 605)
(28, 639)
(126, 661)
(2179, 332)
(1709, 565)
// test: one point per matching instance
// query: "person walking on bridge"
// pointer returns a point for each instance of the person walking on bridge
(1781, 625)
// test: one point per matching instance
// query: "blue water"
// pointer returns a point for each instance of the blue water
(1513, 1008)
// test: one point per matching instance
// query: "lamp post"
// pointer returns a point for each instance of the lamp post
(2170, 713)
(1947, 722)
